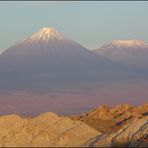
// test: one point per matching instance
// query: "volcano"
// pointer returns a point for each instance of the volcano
(47, 60)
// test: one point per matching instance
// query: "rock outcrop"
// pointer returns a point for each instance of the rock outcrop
(132, 134)
(106, 119)
(121, 126)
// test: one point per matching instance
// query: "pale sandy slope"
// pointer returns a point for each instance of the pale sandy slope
(46, 130)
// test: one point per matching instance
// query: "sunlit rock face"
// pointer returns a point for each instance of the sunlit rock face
(121, 126)
(133, 134)
(106, 119)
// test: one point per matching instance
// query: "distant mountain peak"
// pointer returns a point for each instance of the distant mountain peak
(45, 34)
(130, 52)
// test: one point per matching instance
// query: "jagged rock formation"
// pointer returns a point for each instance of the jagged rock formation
(106, 119)
(121, 126)
(132, 134)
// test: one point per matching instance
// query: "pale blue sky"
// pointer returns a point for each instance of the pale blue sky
(90, 23)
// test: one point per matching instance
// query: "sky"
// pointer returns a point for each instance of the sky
(90, 23)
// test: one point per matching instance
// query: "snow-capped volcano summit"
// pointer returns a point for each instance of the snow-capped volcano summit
(46, 41)
(45, 34)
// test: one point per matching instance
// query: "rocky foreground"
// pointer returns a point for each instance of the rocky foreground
(121, 126)
(124, 126)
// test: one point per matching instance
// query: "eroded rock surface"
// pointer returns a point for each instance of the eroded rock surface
(132, 134)
(121, 126)
(46, 130)
(106, 119)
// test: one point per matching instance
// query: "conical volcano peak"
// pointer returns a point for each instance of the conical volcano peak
(45, 34)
